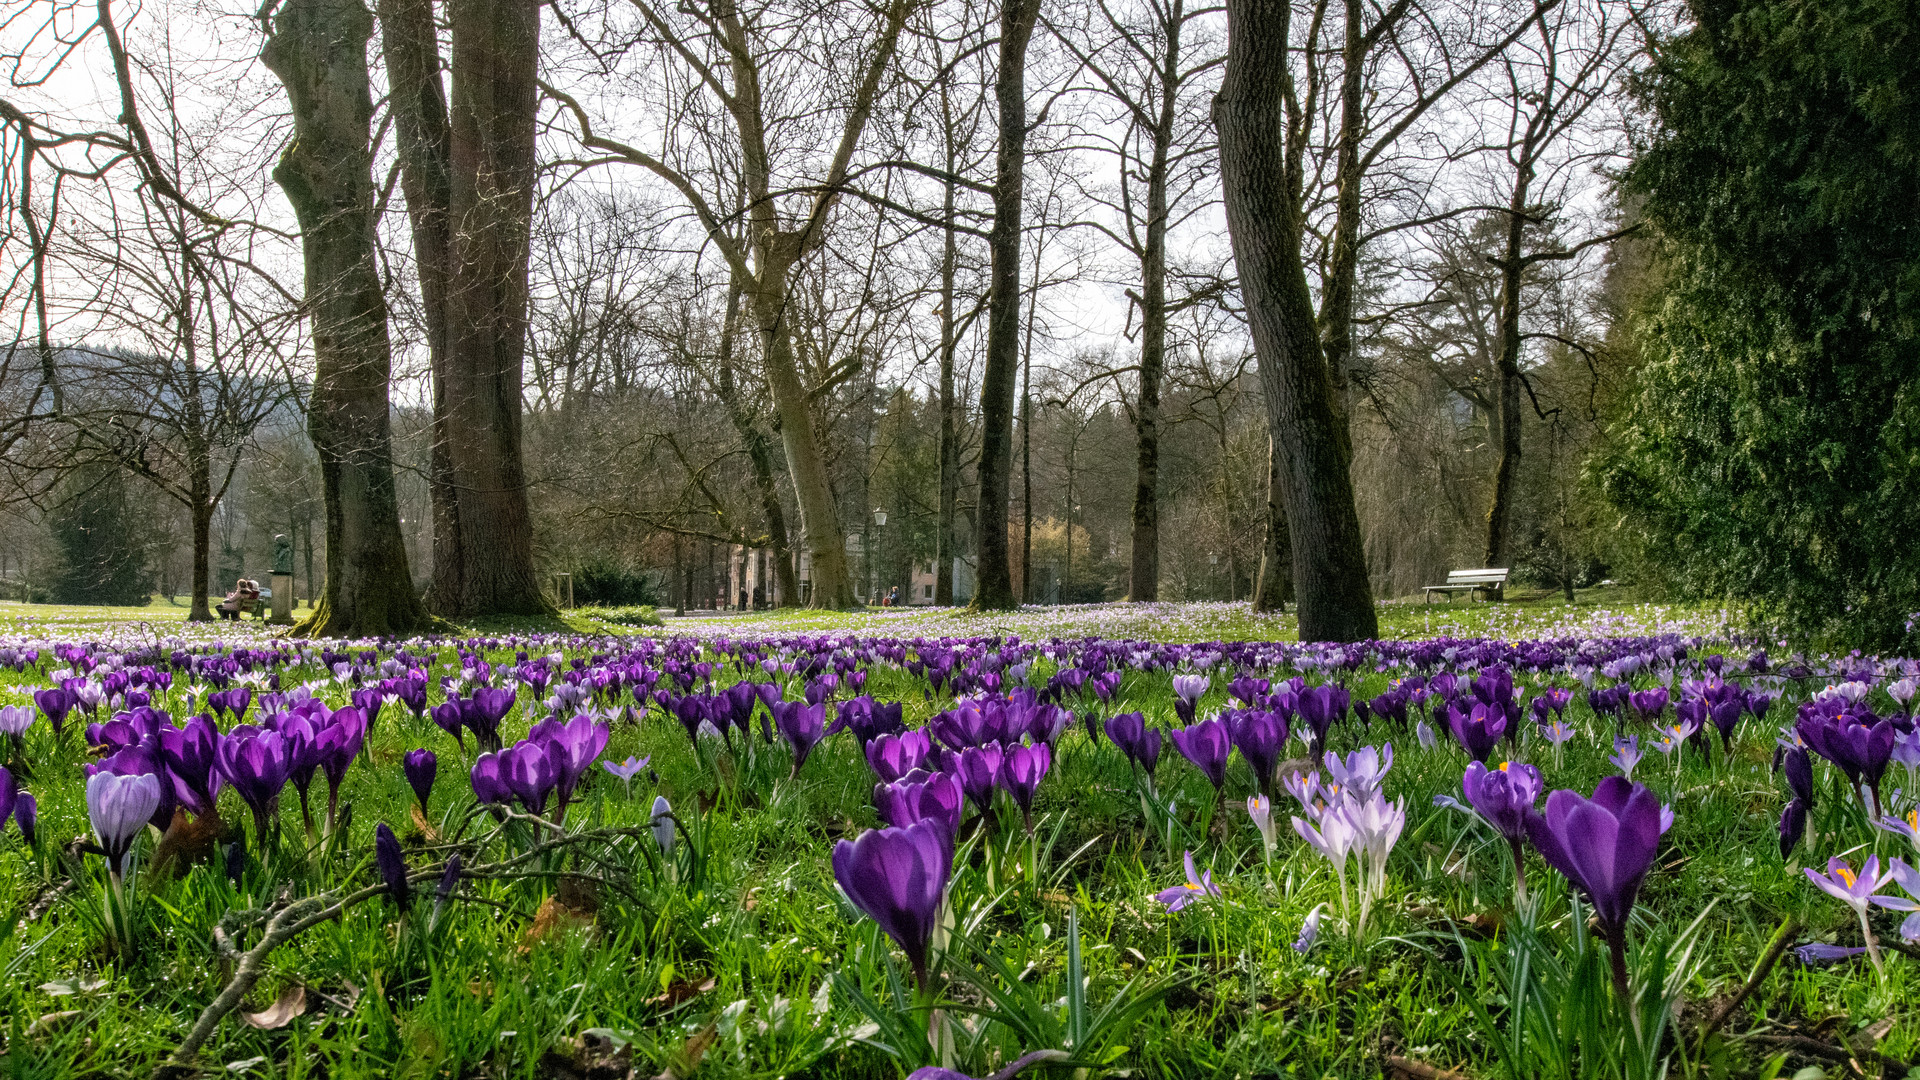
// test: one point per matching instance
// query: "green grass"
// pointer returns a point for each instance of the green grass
(768, 931)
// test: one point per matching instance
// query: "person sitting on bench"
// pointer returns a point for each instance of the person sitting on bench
(244, 597)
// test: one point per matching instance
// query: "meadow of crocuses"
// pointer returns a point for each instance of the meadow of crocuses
(767, 852)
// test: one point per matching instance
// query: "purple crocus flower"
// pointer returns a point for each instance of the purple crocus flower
(392, 865)
(119, 807)
(9, 794)
(977, 769)
(1319, 707)
(898, 878)
(1261, 737)
(420, 766)
(933, 797)
(191, 756)
(255, 763)
(1504, 797)
(894, 756)
(1141, 744)
(1648, 704)
(1605, 846)
(1196, 886)
(802, 725)
(1021, 771)
(1793, 825)
(447, 718)
(1478, 730)
(483, 712)
(56, 703)
(531, 772)
(1818, 953)
(573, 746)
(337, 745)
(1207, 745)
(489, 786)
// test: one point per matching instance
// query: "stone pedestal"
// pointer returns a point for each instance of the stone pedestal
(282, 586)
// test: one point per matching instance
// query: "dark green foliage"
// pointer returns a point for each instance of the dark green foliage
(102, 540)
(608, 584)
(1773, 452)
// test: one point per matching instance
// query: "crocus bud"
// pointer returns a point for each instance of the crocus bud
(663, 824)
(391, 864)
(26, 811)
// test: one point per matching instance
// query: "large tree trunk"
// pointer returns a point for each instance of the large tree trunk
(495, 46)
(318, 48)
(1329, 561)
(994, 587)
(410, 44)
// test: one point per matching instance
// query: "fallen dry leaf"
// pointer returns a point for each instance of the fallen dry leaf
(553, 919)
(687, 1058)
(678, 991)
(291, 1003)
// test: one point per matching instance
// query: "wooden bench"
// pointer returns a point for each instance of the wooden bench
(1467, 581)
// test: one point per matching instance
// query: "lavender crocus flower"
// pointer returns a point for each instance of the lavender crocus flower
(1859, 891)
(118, 808)
(898, 878)
(1309, 930)
(661, 822)
(1260, 811)
(627, 770)
(1817, 953)
(1361, 772)
(1196, 886)
(1626, 754)
(1188, 690)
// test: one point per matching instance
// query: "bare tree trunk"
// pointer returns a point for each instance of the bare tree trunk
(1143, 582)
(202, 515)
(994, 589)
(759, 456)
(490, 208)
(1512, 270)
(1329, 561)
(318, 48)
(1336, 317)
(410, 45)
(806, 460)
(1273, 585)
(947, 530)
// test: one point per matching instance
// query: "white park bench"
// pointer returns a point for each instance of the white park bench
(1467, 581)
